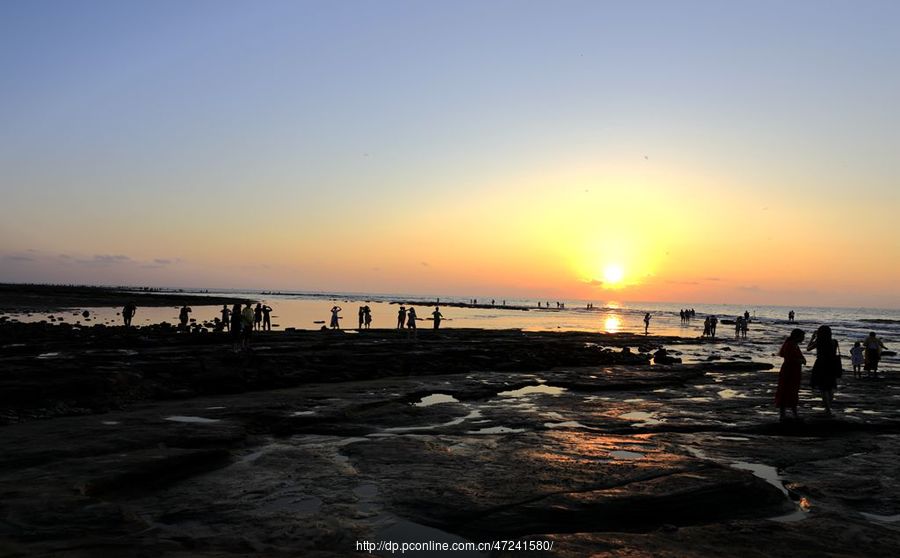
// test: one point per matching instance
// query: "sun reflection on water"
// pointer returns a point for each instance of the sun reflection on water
(612, 324)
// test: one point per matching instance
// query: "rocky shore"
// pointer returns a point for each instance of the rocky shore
(157, 442)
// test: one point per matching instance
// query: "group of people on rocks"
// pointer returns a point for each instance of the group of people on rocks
(826, 369)
(365, 317)
(260, 317)
(242, 321)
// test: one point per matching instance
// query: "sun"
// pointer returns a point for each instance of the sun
(613, 274)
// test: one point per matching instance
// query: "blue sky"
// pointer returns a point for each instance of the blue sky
(124, 121)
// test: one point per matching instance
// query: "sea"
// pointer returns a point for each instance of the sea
(768, 326)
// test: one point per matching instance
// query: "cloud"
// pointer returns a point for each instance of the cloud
(111, 259)
(162, 261)
(712, 279)
(105, 259)
(425, 264)
(17, 258)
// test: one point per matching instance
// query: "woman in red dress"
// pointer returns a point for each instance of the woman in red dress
(788, 393)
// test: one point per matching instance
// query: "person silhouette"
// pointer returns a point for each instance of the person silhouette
(873, 346)
(401, 317)
(826, 368)
(411, 320)
(437, 317)
(788, 392)
(367, 316)
(267, 318)
(247, 316)
(235, 319)
(226, 317)
(257, 316)
(646, 323)
(361, 317)
(335, 318)
(128, 313)
(857, 359)
(183, 316)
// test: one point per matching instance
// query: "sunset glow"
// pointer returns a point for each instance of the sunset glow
(397, 174)
(613, 274)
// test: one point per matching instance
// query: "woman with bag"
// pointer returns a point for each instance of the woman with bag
(827, 368)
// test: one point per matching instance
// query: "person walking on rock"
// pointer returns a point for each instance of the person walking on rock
(827, 367)
(128, 313)
(183, 316)
(235, 319)
(226, 317)
(411, 321)
(788, 392)
(873, 346)
(247, 316)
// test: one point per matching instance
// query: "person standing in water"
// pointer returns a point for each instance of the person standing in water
(825, 369)
(788, 392)
(646, 323)
(335, 318)
(362, 315)
(367, 316)
(128, 313)
(401, 317)
(437, 317)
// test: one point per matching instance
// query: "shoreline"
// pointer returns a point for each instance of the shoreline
(18, 298)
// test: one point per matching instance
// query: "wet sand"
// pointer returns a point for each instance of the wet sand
(157, 442)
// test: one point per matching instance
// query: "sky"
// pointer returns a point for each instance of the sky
(696, 151)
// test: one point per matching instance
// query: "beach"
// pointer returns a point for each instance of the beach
(154, 441)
